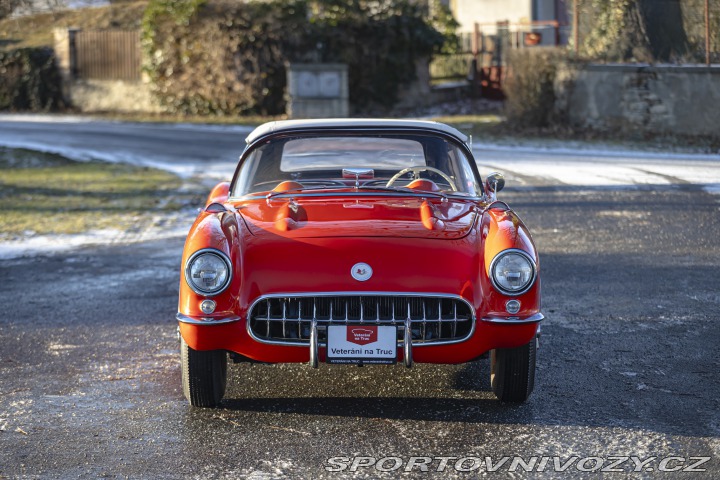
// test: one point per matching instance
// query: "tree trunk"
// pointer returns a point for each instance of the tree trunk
(664, 29)
(635, 30)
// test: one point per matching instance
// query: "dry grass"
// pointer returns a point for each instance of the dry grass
(250, 120)
(37, 30)
(50, 194)
(479, 126)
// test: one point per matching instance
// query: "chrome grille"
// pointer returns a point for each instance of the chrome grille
(288, 319)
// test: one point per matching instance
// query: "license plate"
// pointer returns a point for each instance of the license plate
(371, 344)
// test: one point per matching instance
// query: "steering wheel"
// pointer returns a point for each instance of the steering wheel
(422, 169)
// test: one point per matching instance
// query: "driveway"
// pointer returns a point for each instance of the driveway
(627, 370)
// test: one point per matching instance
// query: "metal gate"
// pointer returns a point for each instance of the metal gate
(108, 55)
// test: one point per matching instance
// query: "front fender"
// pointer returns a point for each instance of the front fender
(502, 229)
(219, 194)
(219, 231)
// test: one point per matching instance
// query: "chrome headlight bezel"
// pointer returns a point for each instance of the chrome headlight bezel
(530, 261)
(221, 256)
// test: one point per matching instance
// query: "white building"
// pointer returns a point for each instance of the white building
(549, 18)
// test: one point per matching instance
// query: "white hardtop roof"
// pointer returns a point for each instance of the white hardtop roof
(350, 123)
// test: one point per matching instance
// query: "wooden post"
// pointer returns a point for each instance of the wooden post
(474, 67)
(576, 35)
(707, 32)
(476, 39)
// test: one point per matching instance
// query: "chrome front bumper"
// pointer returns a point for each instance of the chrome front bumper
(538, 317)
(314, 342)
(205, 320)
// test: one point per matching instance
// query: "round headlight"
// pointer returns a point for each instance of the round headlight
(208, 272)
(512, 272)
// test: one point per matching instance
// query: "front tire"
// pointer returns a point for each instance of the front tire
(512, 372)
(204, 375)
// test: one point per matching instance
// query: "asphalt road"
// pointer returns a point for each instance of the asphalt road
(184, 149)
(628, 363)
(212, 150)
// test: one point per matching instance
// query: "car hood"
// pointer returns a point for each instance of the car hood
(407, 217)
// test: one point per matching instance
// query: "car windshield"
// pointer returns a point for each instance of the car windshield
(401, 162)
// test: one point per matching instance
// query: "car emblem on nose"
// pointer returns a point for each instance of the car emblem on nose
(361, 272)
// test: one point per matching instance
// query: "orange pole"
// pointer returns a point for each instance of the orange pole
(576, 35)
(476, 40)
(707, 32)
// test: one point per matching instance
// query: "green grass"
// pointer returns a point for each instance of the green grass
(50, 194)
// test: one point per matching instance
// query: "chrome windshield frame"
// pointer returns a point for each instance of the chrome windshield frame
(353, 193)
(359, 131)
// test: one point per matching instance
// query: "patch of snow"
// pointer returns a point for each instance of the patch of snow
(169, 158)
(594, 168)
(628, 214)
(176, 227)
(54, 243)
(713, 188)
(86, 155)
(57, 348)
(45, 118)
(205, 127)
(195, 127)
(575, 148)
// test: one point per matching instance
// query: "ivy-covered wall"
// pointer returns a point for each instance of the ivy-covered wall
(223, 57)
(30, 80)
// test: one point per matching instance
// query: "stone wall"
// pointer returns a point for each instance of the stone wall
(317, 90)
(418, 92)
(113, 96)
(95, 95)
(681, 100)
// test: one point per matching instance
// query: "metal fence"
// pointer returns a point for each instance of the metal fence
(483, 48)
(600, 31)
(108, 55)
(481, 56)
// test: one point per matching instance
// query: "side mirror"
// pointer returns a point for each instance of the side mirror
(494, 182)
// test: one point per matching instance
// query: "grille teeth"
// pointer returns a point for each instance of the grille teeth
(434, 319)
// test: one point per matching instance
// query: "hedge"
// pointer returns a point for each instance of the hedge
(530, 86)
(30, 80)
(215, 57)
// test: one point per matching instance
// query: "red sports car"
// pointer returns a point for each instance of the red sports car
(358, 242)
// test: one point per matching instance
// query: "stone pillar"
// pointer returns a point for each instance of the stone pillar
(317, 90)
(66, 55)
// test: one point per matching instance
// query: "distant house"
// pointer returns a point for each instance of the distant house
(527, 16)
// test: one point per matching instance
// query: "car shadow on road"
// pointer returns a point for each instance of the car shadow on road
(471, 381)
(475, 410)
